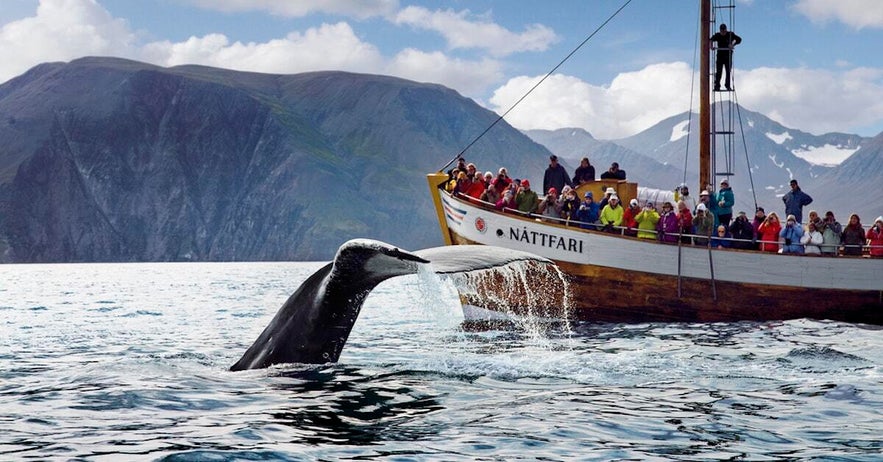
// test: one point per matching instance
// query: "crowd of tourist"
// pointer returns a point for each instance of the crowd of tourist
(706, 222)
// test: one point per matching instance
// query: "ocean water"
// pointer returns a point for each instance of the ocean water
(129, 362)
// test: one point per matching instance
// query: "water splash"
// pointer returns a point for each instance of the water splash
(529, 295)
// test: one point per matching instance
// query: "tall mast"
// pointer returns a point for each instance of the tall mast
(704, 95)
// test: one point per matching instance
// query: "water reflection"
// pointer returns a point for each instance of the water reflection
(346, 405)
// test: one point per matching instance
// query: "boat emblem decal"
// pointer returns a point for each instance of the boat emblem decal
(480, 225)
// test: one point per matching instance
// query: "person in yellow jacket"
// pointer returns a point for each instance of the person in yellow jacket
(611, 215)
(647, 220)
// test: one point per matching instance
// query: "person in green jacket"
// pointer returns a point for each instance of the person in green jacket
(647, 220)
(526, 200)
(611, 215)
(725, 201)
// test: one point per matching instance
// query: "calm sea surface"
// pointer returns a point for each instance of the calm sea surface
(129, 362)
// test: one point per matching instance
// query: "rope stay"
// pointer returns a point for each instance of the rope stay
(524, 96)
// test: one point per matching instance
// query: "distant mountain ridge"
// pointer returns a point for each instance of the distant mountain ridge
(656, 158)
(106, 159)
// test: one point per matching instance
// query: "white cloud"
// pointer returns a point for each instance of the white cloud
(462, 33)
(299, 8)
(854, 13)
(814, 100)
(632, 102)
(330, 46)
(469, 77)
(61, 30)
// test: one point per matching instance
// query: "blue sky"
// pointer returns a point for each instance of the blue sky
(814, 65)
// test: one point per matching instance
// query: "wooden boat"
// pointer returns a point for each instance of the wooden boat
(617, 278)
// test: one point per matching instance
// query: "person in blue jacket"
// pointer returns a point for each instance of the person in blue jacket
(791, 234)
(795, 200)
(588, 211)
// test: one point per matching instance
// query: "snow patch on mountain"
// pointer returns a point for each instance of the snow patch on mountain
(679, 131)
(780, 138)
(828, 155)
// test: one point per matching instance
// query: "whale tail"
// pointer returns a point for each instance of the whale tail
(314, 324)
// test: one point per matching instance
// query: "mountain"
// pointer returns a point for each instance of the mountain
(106, 159)
(655, 157)
(855, 183)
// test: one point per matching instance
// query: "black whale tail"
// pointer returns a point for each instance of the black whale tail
(315, 322)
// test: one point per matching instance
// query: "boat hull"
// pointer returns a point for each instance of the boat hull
(616, 278)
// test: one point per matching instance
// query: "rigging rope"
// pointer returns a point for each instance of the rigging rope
(745, 147)
(548, 74)
(689, 132)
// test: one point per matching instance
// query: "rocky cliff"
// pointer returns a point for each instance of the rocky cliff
(112, 160)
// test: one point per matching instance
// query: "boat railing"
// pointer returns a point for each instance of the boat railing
(692, 239)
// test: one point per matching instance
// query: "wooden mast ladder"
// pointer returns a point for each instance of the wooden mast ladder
(722, 113)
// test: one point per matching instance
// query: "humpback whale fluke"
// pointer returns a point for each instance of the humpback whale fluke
(314, 323)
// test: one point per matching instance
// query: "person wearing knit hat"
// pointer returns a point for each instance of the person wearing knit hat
(629, 216)
(792, 233)
(550, 206)
(526, 199)
(589, 211)
(875, 236)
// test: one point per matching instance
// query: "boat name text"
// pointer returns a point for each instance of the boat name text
(546, 240)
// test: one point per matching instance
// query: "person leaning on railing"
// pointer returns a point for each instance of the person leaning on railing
(853, 236)
(668, 224)
(611, 214)
(791, 234)
(768, 232)
(875, 236)
(722, 238)
(647, 220)
(831, 232)
(812, 239)
(743, 231)
(703, 222)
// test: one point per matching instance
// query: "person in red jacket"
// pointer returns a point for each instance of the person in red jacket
(478, 186)
(768, 232)
(875, 235)
(628, 218)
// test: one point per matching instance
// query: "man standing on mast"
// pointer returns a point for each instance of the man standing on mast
(726, 41)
